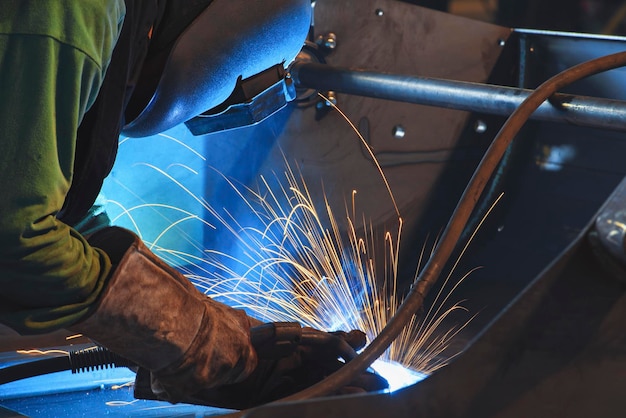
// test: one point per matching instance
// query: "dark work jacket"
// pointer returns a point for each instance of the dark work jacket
(150, 29)
(99, 131)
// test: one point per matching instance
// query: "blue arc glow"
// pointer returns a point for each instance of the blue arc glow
(396, 374)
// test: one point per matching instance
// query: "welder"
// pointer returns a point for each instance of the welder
(73, 75)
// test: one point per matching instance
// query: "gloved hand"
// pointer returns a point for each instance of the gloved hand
(290, 359)
(152, 315)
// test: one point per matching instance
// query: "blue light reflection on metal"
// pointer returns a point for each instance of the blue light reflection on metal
(104, 392)
(67, 381)
(69, 395)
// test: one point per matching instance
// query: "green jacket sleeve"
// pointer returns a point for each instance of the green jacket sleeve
(53, 57)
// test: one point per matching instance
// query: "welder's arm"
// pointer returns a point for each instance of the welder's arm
(53, 58)
(151, 314)
(193, 349)
(112, 289)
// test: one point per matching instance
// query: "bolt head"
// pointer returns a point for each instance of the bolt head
(480, 127)
(398, 132)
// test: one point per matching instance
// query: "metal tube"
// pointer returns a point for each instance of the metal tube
(460, 95)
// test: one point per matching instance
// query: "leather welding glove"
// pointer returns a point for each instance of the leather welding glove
(150, 314)
(274, 379)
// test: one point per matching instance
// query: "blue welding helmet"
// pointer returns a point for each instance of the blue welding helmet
(229, 40)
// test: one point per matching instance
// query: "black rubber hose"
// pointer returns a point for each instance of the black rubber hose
(34, 368)
(450, 237)
(89, 359)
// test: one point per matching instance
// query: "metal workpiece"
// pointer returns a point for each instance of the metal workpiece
(609, 232)
(558, 349)
(460, 95)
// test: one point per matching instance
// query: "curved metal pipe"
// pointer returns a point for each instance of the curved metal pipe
(460, 95)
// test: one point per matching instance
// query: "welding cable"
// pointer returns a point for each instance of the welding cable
(452, 233)
(33, 368)
(89, 359)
